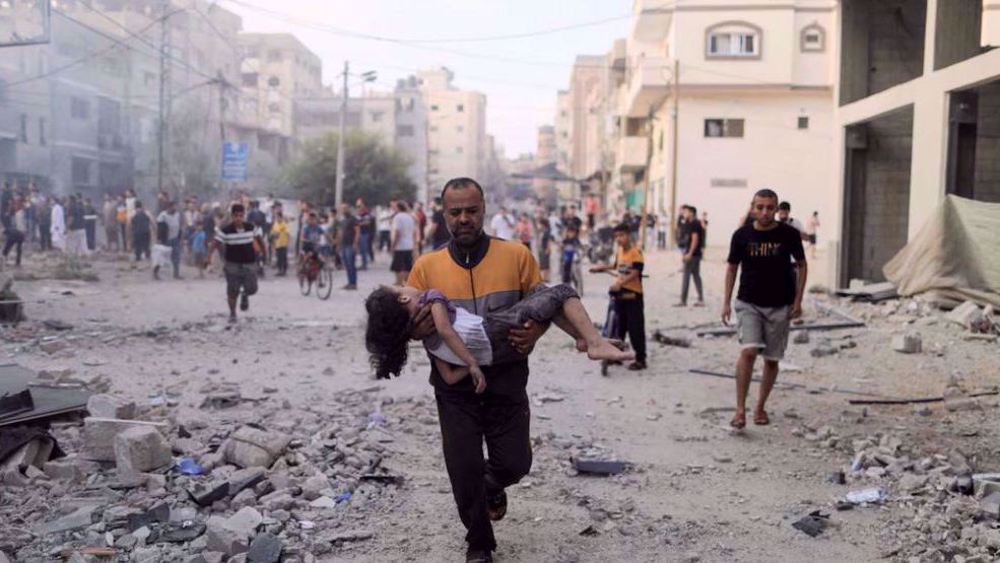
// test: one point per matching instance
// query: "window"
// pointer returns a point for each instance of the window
(41, 132)
(404, 130)
(376, 116)
(274, 56)
(79, 108)
(723, 127)
(729, 40)
(23, 132)
(460, 108)
(250, 79)
(803, 122)
(434, 107)
(274, 82)
(812, 39)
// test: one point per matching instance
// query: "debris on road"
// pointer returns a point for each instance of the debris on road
(812, 524)
(599, 467)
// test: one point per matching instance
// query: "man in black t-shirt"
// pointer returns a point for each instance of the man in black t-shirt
(770, 296)
(694, 233)
(438, 231)
(238, 240)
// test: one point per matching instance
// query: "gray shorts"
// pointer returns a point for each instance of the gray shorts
(240, 276)
(764, 328)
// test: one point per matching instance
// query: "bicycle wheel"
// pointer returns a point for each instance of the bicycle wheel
(325, 287)
(305, 284)
(578, 278)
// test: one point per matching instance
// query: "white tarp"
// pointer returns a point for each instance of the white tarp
(955, 257)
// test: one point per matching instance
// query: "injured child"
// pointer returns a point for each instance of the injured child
(463, 341)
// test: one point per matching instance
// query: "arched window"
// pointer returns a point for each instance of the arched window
(733, 40)
(812, 39)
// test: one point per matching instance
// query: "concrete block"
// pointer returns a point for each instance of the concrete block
(250, 447)
(265, 548)
(990, 505)
(99, 435)
(108, 406)
(965, 314)
(908, 343)
(244, 478)
(141, 449)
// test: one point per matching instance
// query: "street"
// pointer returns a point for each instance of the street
(696, 492)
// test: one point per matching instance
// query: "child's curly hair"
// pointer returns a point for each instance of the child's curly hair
(388, 332)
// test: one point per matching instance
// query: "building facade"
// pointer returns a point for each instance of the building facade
(745, 88)
(456, 128)
(918, 118)
(276, 70)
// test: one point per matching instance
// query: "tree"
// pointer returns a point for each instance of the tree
(373, 171)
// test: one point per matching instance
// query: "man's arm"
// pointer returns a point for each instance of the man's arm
(695, 241)
(801, 273)
(357, 236)
(728, 293)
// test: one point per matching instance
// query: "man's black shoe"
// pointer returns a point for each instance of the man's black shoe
(244, 302)
(496, 506)
(637, 366)
(478, 556)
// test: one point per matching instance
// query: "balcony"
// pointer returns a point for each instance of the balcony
(651, 19)
(648, 85)
(632, 153)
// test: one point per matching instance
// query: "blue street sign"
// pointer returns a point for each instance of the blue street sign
(234, 161)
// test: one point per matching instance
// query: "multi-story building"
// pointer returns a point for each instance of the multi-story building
(918, 118)
(545, 154)
(456, 128)
(276, 70)
(411, 133)
(563, 130)
(745, 87)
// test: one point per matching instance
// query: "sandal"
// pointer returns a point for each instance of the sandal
(761, 419)
(739, 421)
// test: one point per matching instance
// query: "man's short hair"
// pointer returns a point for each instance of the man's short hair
(694, 210)
(766, 193)
(237, 208)
(784, 206)
(462, 182)
(622, 228)
(402, 205)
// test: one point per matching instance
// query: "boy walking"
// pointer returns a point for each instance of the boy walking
(237, 242)
(769, 297)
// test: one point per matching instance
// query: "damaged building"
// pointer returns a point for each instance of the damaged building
(919, 117)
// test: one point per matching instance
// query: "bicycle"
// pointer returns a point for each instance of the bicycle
(315, 269)
(575, 269)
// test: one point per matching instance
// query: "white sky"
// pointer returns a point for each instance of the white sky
(520, 77)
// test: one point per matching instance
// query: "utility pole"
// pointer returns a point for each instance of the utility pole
(222, 125)
(339, 194)
(162, 132)
(672, 230)
(649, 163)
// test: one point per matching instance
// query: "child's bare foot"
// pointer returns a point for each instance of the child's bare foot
(581, 345)
(604, 350)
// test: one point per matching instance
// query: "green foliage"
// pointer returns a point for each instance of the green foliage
(373, 171)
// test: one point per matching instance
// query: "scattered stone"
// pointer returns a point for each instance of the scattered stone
(99, 435)
(801, 337)
(265, 548)
(159, 513)
(323, 502)
(907, 343)
(813, 524)
(250, 447)
(141, 449)
(207, 493)
(107, 406)
(182, 533)
(244, 478)
(359, 535)
(990, 505)
(79, 518)
(965, 315)
(911, 482)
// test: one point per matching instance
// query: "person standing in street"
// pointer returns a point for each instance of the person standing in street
(420, 219)
(402, 242)
(279, 241)
(626, 294)
(14, 235)
(383, 222)
(502, 224)
(366, 221)
(347, 244)
(437, 232)
(172, 218)
(109, 214)
(479, 274)
(90, 225)
(76, 234)
(694, 233)
(58, 225)
(812, 229)
(44, 213)
(784, 216)
(258, 220)
(236, 239)
(142, 231)
(769, 297)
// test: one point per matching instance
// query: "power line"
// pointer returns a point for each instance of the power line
(208, 20)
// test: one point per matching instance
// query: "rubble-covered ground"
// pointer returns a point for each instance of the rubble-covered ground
(272, 440)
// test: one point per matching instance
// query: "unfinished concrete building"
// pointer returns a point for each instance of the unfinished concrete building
(919, 116)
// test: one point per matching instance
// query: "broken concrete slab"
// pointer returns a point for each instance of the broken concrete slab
(108, 406)
(265, 548)
(206, 493)
(141, 449)
(965, 314)
(907, 343)
(157, 514)
(99, 435)
(990, 505)
(79, 518)
(250, 447)
(245, 478)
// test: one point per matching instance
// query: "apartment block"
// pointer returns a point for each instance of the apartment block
(276, 70)
(456, 128)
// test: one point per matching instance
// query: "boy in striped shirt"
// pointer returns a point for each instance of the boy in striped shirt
(239, 241)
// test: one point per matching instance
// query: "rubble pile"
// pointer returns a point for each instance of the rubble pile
(146, 484)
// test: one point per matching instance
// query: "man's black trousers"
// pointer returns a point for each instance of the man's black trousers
(632, 321)
(467, 419)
